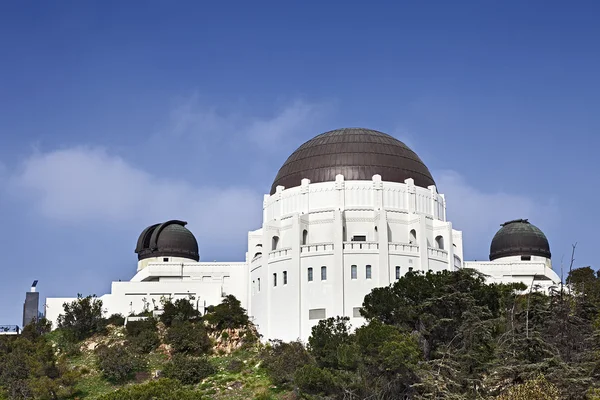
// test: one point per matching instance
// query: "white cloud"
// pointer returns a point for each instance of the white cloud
(84, 184)
(479, 214)
(268, 133)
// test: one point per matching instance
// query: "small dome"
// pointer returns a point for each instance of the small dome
(169, 239)
(519, 238)
(356, 153)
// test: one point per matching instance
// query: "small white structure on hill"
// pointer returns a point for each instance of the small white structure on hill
(350, 210)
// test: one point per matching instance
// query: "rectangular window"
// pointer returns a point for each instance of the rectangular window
(410, 269)
(259, 284)
(310, 274)
(353, 272)
(525, 258)
(359, 238)
(165, 259)
(274, 279)
(397, 272)
(368, 272)
(285, 277)
(316, 313)
(356, 312)
(323, 273)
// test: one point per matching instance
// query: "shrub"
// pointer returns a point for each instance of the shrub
(314, 380)
(142, 335)
(82, 317)
(227, 315)
(326, 338)
(145, 341)
(163, 389)
(116, 320)
(189, 338)
(188, 370)
(134, 328)
(181, 310)
(116, 363)
(281, 360)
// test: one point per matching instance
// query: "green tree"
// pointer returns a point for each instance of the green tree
(179, 311)
(83, 317)
(328, 341)
(228, 315)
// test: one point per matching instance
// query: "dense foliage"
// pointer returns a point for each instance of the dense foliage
(445, 335)
(449, 335)
(82, 318)
(116, 363)
(29, 368)
(228, 315)
(189, 338)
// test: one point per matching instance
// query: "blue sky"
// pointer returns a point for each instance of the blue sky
(115, 116)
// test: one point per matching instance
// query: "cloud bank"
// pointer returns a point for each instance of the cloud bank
(84, 185)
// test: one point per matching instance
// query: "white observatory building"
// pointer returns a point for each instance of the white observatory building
(350, 210)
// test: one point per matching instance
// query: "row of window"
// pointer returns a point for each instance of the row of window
(439, 240)
(353, 275)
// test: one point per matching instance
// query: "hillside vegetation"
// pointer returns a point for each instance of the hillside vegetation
(446, 335)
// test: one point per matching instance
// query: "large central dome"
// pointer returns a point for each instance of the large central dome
(356, 153)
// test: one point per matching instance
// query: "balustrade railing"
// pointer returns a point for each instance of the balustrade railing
(361, 246)
(403, 247)
(280, 252)
(438, 253)
(316, 247)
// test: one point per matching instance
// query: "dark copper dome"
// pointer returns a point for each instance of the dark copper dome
(356, 153)
(519, 238)
(169, 239)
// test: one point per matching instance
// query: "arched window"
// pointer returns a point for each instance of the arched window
(274, 242)
(310, 274)
(397, 272)
(304, 237)
(439, 242)
(376, 235)
(323, 273)
(413, 237)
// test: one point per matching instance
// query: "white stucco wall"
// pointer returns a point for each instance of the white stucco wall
(333, 214)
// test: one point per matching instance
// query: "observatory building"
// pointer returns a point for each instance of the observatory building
(350, 210)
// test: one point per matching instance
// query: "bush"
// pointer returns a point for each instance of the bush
(116, 363)
(326, 339)
(180, 311)
(145, 342)
(82, 317)
(189, 338)
(134, 328)
(163, 389)
(314, 380)
(142, 335)
(116, 320)
(227, 315)
(281, 360)
(188, 370)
